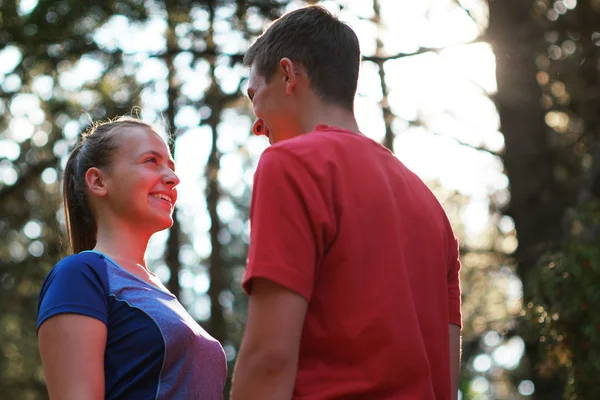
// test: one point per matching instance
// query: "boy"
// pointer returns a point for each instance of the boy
(353, 266)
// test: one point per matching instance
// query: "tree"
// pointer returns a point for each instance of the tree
(546, 68)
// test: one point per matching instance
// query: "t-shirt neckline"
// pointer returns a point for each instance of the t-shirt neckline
(134, 276)
(324, 127)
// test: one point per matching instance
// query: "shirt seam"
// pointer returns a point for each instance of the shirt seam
(161, 335)
(131, 275)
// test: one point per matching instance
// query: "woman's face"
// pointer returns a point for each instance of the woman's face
(141, 180)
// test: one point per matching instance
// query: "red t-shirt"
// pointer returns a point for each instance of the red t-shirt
(337, 218)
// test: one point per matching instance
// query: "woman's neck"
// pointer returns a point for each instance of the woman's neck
(122, 243)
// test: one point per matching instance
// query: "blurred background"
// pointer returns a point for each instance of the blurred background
(495, 104)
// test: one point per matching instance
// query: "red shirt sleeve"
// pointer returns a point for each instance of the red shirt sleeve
(288, 221)
(454, 299)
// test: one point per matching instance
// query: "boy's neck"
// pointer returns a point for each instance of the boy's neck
(322, 113)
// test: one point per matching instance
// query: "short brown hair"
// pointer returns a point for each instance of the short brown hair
(326, 47)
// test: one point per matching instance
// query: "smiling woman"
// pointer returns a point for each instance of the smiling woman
(107, 326)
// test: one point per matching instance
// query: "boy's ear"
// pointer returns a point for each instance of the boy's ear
(95, 181)
(289, 72)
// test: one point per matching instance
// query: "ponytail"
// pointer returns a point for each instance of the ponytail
(81, 225)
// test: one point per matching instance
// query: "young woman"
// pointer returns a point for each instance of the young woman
(107, 327)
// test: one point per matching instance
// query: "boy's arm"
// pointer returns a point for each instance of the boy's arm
(455, 352)
(268, 359)
(454, 314)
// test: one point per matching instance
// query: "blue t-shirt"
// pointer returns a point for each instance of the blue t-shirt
(154, 348)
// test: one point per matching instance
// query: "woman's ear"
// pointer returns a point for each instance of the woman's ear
(95, 181)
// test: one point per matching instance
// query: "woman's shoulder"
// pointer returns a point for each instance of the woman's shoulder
(87, 266)
(77, 284)
(85, 259)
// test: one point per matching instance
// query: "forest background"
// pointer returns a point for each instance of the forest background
(495, 104)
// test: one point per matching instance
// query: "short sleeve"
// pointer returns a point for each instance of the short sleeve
(76, 286)
(289, 218)
(454, 293)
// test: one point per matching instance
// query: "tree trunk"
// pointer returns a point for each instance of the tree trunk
(174, 240)
(537, 200)
(218, 327)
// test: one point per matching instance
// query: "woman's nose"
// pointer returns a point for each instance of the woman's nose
(171, 178)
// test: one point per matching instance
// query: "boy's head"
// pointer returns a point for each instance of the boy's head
(312, 42)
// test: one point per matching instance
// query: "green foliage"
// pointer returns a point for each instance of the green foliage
(564, 306)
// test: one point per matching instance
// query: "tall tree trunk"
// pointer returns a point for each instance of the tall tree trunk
(537, 201)
(214, 100)
(174, 240)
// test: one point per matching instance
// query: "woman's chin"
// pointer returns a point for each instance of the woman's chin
(160, 224)
(167, 224)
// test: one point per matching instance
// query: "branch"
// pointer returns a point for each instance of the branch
(238, 57)
(465, 9)
(478, 148)
(423, 50)
(464, 249)
(380, 59)
(209, 52)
